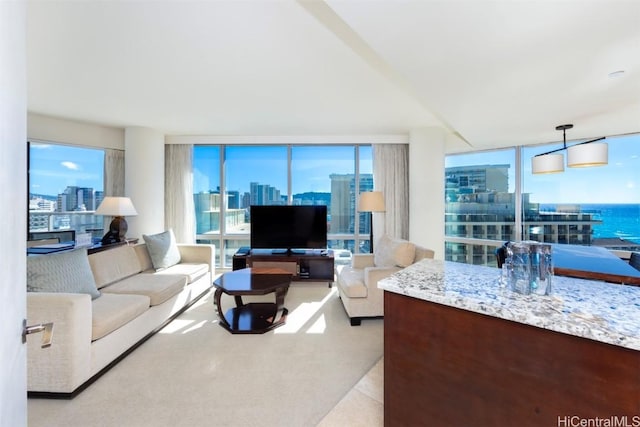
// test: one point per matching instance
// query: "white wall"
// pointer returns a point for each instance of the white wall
(144, 180)
(13, 181)
(426, 188)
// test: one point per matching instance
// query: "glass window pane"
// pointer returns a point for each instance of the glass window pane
(65, 188)
(254, 175)
(588, 206)
(366, 184)
(325, 175)
(206, 187)
(479, 203)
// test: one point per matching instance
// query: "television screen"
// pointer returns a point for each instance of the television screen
(288, 227)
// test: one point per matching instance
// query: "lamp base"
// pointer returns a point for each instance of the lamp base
(117, 230)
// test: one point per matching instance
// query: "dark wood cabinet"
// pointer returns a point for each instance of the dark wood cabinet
(304, 265)
(444, 366)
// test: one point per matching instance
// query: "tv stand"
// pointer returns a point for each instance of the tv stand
(309, 264)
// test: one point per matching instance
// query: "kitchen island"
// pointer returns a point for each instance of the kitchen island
(460, 350)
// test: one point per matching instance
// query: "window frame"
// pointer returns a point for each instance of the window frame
(223, 239)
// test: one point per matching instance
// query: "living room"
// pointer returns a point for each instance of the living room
(300, 73)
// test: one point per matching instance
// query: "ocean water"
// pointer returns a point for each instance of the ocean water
(618, 220)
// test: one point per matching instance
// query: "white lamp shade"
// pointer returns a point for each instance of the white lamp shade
(547, 163)
(116, 206)
(586, 155)
(371, 201)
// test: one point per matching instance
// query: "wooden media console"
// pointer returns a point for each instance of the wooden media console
(310, 264)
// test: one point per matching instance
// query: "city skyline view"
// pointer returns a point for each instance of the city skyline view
(56, 167)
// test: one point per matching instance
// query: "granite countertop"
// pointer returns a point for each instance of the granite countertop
(595, 310)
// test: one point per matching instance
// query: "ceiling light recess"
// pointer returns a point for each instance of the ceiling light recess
(581, 155)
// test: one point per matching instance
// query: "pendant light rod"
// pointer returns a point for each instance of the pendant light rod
(564, 128)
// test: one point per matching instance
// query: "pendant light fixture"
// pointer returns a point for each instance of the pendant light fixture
(582, 155)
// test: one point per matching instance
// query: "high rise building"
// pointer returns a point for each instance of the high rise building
(478, 205)
(343, 202)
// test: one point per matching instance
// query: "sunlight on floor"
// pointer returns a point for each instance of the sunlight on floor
(303, 314)
(182, 326)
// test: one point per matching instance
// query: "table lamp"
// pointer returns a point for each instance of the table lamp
(118, 207)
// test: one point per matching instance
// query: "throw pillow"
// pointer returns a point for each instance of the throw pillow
(394, 252)
(163, 249)
(62, 272)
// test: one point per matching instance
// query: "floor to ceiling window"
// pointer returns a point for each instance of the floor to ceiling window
(228, 179)
(588, 206)
(480, 203)
(65, 188)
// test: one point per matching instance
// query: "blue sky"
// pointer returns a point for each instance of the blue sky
(55, 167)
(311, 167)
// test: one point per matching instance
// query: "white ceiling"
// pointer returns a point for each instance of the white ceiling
(497, 73)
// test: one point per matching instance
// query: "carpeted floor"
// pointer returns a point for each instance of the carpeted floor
(195, 373)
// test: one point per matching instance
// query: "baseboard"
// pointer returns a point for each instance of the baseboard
(87, 383)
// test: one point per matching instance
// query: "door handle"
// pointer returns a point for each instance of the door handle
(45, 328)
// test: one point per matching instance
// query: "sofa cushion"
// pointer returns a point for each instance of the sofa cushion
(114, 264)
(143, 257)
(163, 249)
(394, 252)
(193, 271)
(112, 311)
(158, 287)
(351, 282)
(68, 272)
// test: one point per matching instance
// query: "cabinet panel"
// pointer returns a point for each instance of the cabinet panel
(311, 265)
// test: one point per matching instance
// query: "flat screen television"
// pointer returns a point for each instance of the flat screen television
(288, 228)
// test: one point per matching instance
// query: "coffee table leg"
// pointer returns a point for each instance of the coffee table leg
(239, 302)
(216, 301)
(280, 294)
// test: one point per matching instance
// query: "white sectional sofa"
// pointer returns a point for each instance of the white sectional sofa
(91, 333)
(358, 282)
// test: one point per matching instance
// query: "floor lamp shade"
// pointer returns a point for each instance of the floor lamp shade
(118, 207)
(371, 201)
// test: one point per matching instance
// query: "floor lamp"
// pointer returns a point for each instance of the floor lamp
(371, 201)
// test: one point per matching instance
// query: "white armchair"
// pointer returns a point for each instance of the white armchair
(358, 283)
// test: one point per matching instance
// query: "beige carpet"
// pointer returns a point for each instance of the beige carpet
(195, 373)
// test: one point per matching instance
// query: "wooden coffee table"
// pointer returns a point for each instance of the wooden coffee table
(255, 317)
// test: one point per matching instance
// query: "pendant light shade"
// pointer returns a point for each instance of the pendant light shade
(587, 155)
(547, 163)
(582, 155)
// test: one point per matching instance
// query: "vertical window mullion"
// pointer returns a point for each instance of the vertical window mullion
(518, 193)
(223, 206)
(356, 219)
(289, 184)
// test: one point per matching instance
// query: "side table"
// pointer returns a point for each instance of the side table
(255, 317)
